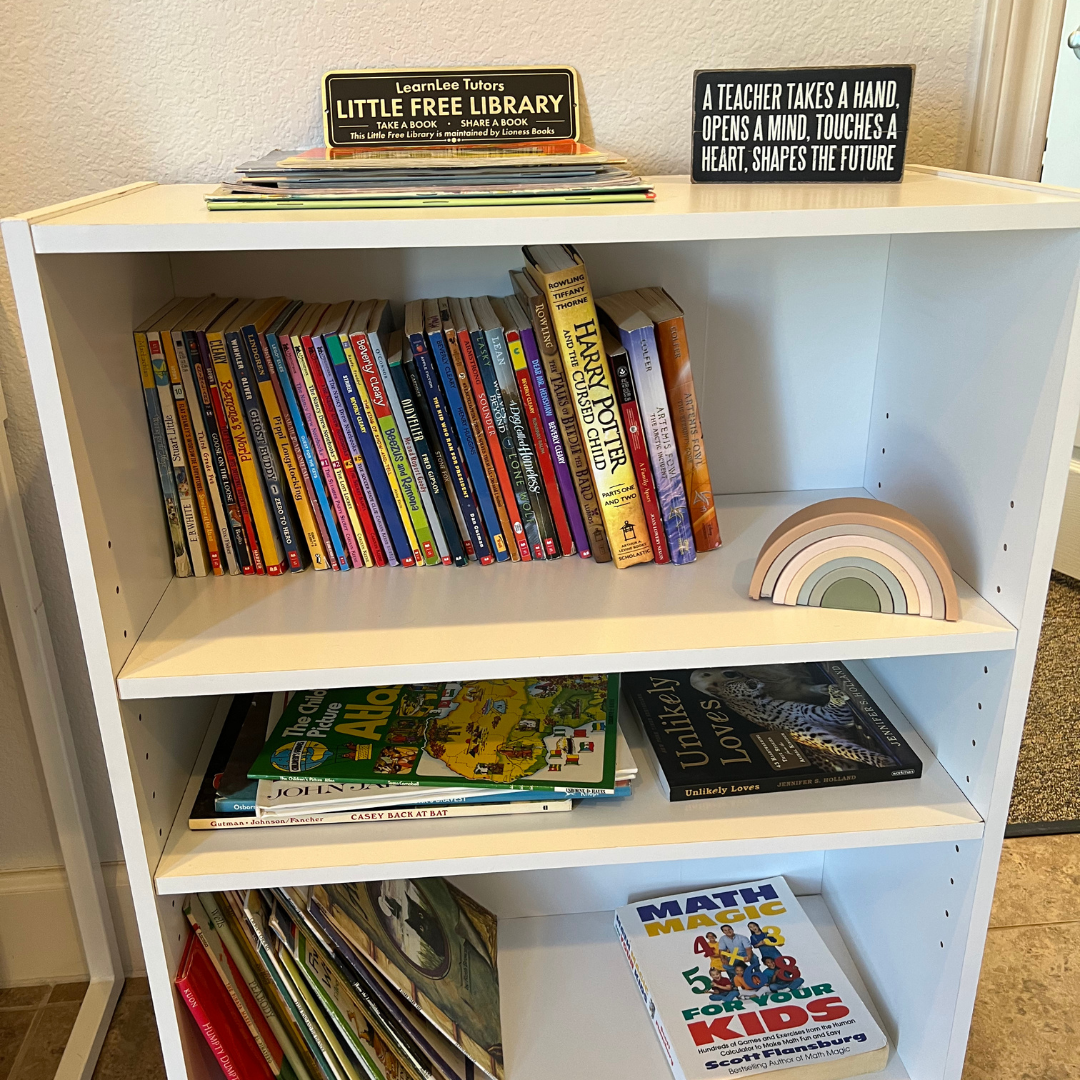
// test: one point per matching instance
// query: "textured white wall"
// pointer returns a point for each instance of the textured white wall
(97, 93)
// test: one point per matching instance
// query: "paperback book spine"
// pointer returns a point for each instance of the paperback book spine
(356, 425)
(225, 466)
(639, 454)
(323, 479)
(170, 499)
(421, 429)
(465, 442)
(369, 392)
(242, 347)
(490, 434)
(476, 430)
(563, 401)
(274, 559)
(433, 393)
(577, 331)
(175, 443)
(487, 439)
(169, 343)
(641, 350)
(535, 420)
(287, 454)
(523, 443)
(412, 458)
(564, 481)
(215, 351)
(679, 381)
(334, 470)
(185, 346)
(508, 445)
(357, 477)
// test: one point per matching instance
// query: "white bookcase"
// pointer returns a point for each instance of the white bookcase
(917, 342)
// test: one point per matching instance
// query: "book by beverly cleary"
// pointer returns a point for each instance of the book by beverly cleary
(737, 981)
(555, 733)
(773, 727)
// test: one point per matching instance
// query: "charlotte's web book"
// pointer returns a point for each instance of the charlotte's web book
(555, 733)
(737, 981)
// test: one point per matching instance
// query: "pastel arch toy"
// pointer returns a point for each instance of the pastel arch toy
(860, 554)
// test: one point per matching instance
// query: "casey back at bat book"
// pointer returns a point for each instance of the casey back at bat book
(772, 727)
(737, 981)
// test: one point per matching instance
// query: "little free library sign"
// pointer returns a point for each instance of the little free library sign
(800, 125)
(448, 106)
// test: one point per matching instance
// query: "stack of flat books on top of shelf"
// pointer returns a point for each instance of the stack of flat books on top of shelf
(290, 433)
(484, 748)
(562, 171)
(382, 980)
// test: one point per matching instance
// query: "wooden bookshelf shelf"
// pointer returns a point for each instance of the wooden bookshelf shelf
(917, 342)
(227, 635)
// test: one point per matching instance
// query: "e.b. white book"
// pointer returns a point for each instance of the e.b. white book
(737, 981)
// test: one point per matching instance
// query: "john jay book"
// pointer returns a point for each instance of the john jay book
(773, 727)
(553, 733)
(737, 981)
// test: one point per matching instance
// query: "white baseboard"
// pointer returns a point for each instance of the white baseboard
(1067, 553)
(39, 938)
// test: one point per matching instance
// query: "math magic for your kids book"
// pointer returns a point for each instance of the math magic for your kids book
(737, 981)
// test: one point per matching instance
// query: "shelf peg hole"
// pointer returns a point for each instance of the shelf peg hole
(882, 450)
(1012, 505)
(1004, 547)
(980, 704)
(879, 483)
(886, 416)
(154, 795)
(968, 779)
(946, 913)
(125, 633)
(159, 833)
(972, 742)
(117, 590)
(986, 671)
(147, 757)
(951, 882)
(999, 588)
(110, 543)
(958, 849)
(942, 944)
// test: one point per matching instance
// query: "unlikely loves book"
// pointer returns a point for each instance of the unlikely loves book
(553, 733)
(737, 981)
(717, 732)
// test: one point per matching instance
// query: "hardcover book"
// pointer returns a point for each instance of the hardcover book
(555, 733)
(435, 945)
(772, 727)
(559, 272)
(737, 981)
(635, 329)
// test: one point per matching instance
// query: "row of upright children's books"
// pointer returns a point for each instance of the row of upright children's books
(526, 427)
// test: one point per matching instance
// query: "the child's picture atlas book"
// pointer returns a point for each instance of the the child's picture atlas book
(554, 733)
(737, 981)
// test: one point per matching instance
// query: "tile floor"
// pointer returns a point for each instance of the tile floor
(35, 1022)
(1024, 1026)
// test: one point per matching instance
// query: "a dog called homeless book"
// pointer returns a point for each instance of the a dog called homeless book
(772, 727)
(737, 981)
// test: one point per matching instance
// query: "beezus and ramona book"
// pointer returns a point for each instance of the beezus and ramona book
(737, 981)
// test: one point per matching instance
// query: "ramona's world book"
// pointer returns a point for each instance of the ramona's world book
(737, 982)
(717, 732)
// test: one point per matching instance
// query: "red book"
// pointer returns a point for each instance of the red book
(213, 1010)
(515, 346)
(363, 513)
(491, 433)
(639, 451)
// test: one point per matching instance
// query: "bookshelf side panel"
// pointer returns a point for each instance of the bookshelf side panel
(93, 303)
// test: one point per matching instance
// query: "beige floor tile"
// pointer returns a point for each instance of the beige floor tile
(13, 1028)
(75, 991)
(1024, 1027)
(23, 997)
(131, 1048)
(45, 1042)
(1038, 881)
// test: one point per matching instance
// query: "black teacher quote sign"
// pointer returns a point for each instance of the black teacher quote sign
(799, 125)
(443, 106)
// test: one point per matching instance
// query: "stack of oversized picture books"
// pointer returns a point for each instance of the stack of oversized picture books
(400, 753)
(490, 429)
(379, 980)
(524, 173)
